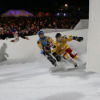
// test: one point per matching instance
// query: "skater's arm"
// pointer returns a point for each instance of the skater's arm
(56, 48)
(50, 40)
(40, 45)
(70, 38)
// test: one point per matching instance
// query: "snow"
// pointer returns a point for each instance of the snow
(54, 30)
(83, 24)
(26, 74)
(24, 50)
(94, 37)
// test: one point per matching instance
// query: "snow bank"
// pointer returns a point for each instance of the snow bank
(27, 50)
(83, 24)
(55, 30)
(94, 37)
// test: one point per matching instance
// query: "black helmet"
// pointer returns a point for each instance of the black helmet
(58, 35)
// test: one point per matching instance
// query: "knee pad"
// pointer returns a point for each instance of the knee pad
(73, 52)
(66, 56)
(69, 58)
(76, 57)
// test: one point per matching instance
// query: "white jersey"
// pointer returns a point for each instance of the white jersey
(16, 36)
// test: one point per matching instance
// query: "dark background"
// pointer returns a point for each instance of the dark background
(45, 6)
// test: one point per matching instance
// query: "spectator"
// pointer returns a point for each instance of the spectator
(30, 26)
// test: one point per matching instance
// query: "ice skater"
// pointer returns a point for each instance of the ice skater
(45, 44)
(63, 49)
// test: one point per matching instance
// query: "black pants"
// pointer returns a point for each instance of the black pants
(49, 57)
(58, 58)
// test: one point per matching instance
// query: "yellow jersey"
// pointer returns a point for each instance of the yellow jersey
(60, 47)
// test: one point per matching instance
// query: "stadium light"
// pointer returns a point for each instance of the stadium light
(64, 14)
(66, 5)
(58, 14)
(79, 9)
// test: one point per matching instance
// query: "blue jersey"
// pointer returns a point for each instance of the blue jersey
(44, 41)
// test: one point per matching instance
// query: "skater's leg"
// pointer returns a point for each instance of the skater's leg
(58, 58)
(51, 59)
(72, 53)
(70, 59)
(74, 56)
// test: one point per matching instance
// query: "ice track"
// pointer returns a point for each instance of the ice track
(26, 75)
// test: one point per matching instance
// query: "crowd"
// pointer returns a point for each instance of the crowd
(26, 26)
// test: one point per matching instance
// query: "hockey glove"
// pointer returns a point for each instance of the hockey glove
(51, 44)
(79, 39)
(46, 50)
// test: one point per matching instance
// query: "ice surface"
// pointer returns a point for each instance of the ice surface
(26, 75)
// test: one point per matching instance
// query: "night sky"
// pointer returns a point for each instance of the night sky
(32, 5)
